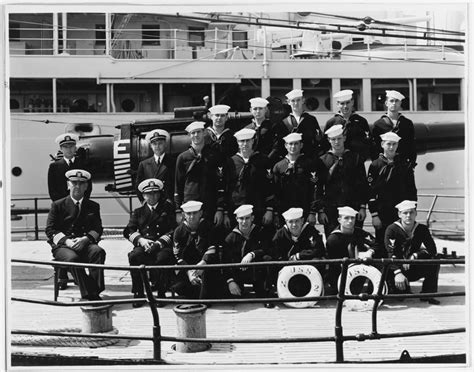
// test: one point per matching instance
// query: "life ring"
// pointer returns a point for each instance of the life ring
(299, 281)
(362, 279)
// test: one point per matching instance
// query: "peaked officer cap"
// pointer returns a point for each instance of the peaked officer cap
(66, 138)
(78, 175)
(157, 134)
(150, 185)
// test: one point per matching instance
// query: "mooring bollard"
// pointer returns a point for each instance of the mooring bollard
(191, 322)
(96, 319)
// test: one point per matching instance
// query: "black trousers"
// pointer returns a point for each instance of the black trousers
(93, 283)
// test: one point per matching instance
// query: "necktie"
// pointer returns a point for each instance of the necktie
(78, 210)
(157, 162)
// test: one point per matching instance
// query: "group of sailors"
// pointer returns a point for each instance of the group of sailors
(256, 195)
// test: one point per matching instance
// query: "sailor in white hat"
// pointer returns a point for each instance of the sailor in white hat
(389, 144)
(150, 230)
(160, 165)
(297, 240)
(356, 127)
(337, 139)
(394, 121)
(251, 178)
(407, 239)
(73, 228)
(258, 109)
(303, 122)
(220, 137)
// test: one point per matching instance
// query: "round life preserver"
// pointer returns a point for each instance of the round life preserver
(362, 279)
(295, 279)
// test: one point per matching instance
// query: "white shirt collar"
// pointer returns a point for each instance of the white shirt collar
(159, 158)
(68, 161)
(76, 201)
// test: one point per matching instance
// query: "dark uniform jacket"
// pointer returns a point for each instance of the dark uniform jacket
(164, 172)
(237, 246)
(190, 247)
(62, 222)
(357, 132)
(225, 144)
(346, 182)
(308, 246)
(156, 225)
(404, 128)
(400, 244)
(251, 183)
(203, 178)
(313, 144)
(339, 245)
(269, 139)
(390, 183)
(300, 184)
(57, 182)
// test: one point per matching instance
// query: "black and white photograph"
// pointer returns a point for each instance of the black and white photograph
(236, 186)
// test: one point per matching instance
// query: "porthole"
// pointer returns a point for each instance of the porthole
(17, 171)
(14, 104)
(430, 166)
(312, 103)
(128, 105)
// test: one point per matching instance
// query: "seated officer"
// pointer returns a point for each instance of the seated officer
(408, 239)
(73, 229)
(247, 243)
(150, 230)
(350, 241)
(160, 165)
(193, 244)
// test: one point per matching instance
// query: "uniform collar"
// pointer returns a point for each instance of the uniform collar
(159, 158)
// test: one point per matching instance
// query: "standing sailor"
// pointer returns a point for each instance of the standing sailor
(394, 121)
(302, 122)
(356, 128)
(218, 136)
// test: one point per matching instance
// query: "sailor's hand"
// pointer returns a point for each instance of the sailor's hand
(234, 288)
(367, 254)
(247, 259)
(226, 221)
(146, 244)
(267, 218)
(311, 219)
(361, 215)
(80, 243)
(69, 243)
(218, 218)
(401, 281)
(194, 278)
(376, 222)
(322, 218)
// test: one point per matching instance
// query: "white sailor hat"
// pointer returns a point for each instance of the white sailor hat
(343, 95)
(150, 185)
(191, 206)
(219, 109)
(394, 94)
(406, 204)
(334, 131)
(157, 134)
(244, 134)
(295, 93)
(243, 210)
(347, 211)
(66, 138)
(78, 175)
(293, 214)
(195, 125)
(205, 97)
(390, 136)
(293, 137)
(258, 102)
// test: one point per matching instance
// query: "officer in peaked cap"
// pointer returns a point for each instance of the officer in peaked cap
(150, 230)
(268, 136)
(73, 228)
(218, 136)
(391, 180)
(394, 121)
(408, 239)
(356, 128)
(251, 178)
(347, 240)
(57, 183)
(302, 122)
(160, 165)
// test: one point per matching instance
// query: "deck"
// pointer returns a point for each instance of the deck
(241, 320)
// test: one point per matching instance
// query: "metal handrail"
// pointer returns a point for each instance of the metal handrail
(339, 338)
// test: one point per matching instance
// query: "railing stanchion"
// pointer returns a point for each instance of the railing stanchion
(36, 220)
(338, 333)
(377, 300)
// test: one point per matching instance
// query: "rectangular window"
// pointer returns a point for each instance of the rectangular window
(14, 31)
(379, 86)
(438, 94)
(196, 36)
(151, 34)
(239, 39)
(317, 93)
(100, 34)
